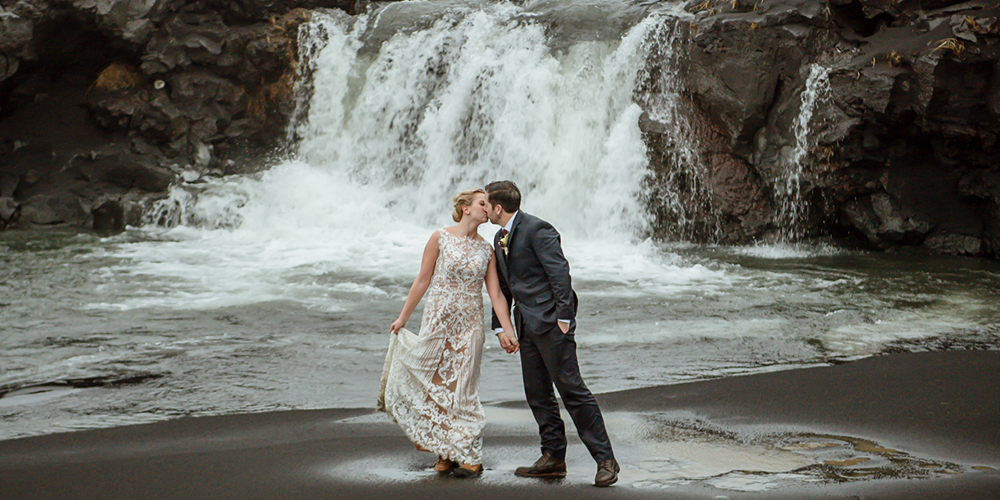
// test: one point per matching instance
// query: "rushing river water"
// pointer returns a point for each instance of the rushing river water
(275, 290)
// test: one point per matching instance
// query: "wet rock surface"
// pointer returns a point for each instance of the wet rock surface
(902, 122)
(108, 102)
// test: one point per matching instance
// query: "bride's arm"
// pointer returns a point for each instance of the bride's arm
(500, 308)
(420, 284)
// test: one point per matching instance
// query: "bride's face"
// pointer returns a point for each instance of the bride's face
(479, 209)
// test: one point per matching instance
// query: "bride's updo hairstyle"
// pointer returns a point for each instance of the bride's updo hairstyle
(464, 199)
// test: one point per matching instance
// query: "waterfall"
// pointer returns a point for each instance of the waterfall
(402, 109)
(789, 185)
(479, 95)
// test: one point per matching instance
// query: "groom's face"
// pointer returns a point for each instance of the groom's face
(493, 211)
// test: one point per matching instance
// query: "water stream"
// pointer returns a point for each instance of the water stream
(789, 190)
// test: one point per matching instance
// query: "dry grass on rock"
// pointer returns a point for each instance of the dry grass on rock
(118, 76)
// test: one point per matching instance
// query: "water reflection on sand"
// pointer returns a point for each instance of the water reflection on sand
(665, 450)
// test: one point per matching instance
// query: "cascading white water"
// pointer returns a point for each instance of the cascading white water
(480, 97)
(399, 120)
(681, 189)
(789, 189)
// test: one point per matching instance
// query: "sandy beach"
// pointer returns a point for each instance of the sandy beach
(898, 426)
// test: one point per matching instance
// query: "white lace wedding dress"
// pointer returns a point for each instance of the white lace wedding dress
(430, 381)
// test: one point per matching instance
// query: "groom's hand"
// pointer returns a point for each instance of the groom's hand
(563, 326)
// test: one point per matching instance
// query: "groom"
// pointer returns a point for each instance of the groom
(535, 273)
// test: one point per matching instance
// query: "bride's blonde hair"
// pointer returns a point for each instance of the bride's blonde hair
(464, 199)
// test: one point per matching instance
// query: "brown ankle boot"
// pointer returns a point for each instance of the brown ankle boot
(444, 465)
(607, 473)
(546, 466)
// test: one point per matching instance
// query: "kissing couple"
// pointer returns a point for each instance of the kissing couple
(430, 380)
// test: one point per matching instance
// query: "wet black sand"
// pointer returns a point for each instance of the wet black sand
(934, 408)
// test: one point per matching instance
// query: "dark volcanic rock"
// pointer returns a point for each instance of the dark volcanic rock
(103, 99)
(10, 212)
(55, 208)
(869, 117)
(884, 223)
(109, 218)
(125, 170)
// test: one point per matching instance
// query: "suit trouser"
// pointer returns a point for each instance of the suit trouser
(550, 358)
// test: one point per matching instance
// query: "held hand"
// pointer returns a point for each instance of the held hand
(511, 346)
(563, 326)
(504, 341)
(397, 325)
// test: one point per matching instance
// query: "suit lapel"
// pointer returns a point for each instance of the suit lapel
(502, 260)
(514, 232)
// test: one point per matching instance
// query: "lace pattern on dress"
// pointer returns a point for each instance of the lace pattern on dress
(432, 383)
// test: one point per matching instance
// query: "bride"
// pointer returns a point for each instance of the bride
(430, 382)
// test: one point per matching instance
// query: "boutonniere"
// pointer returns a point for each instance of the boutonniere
(503, 241)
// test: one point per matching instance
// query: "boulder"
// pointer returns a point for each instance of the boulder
(190, 38)
(53, 208)
(955, 244)
(109, 218)
(126, 171)
(880, 219)
(10, 212)
(734, 73)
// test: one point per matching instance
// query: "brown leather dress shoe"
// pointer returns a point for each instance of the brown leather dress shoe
(467, 470)
(546, 466)
(607, 473)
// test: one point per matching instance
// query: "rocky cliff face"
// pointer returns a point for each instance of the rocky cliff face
(901, 144)
(104, 101)
(872, 121)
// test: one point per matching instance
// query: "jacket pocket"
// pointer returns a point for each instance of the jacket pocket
(540, 298)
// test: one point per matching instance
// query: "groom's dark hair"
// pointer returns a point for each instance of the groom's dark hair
(505, 194)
